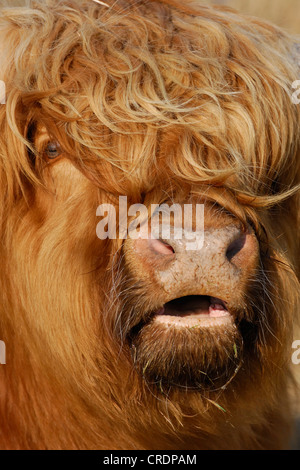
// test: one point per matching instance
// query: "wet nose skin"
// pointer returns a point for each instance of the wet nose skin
(220, 267)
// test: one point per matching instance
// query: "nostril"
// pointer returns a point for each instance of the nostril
(235, 246)
(161, 247)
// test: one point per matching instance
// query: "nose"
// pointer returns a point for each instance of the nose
(229, 242)
(219, 266)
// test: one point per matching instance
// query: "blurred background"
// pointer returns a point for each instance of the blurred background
(285, 13)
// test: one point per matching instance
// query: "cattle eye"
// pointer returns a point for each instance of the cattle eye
(52, 150)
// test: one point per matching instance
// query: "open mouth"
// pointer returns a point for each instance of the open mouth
(190, 341)
(192, 311)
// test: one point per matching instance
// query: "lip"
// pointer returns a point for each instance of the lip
(193, 311)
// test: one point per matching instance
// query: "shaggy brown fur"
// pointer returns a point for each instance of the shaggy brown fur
(157, 100)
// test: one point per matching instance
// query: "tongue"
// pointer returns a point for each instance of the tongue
(217, 310)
